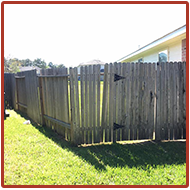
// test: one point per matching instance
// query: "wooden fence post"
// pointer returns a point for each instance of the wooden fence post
(74, 140)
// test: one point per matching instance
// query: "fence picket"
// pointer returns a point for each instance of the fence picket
(98, 103)
(124, 103)
(158, 104)
(128, 99)
(86, 105)
(105, 102)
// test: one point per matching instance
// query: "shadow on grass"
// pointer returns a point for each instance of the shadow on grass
(119, 155)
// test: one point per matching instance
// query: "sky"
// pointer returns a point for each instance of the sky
(72, 34)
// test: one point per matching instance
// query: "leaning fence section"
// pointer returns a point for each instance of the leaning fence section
(25, 94)
(54, 100)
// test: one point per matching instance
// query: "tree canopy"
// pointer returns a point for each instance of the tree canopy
(11, 65)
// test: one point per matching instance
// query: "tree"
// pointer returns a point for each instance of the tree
(6, 66)
(14, 68)
(51, 65)
(39, 63)
(11, 65)
(61, 66)
(26, 62)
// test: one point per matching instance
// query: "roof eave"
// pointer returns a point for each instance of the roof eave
(168, 36)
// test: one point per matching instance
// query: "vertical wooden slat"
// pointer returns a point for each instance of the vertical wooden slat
(171, 100)
(67, 120)
(47, 98)
(124, 108)
(77, 111)
(41, 89)
(86, 104)
(59, 101)
(120, 118)
(58, 104)
(98, 104)
(107, 129)
(43, 95)
(111, 106)
(152, 97)
(13, 95)
(121, 90)
(123, 102)
(167, 100)
(144, 89)
(135, 104)
(74, 130)
(118, 101)
(114, 71)
(116, 105)
(177, 67)
(149, 99)
(162, 130)
(180, 96)
(91, 102)
(158, 104)
(175, 99)
(137, 100)
(140, 99)
(128, 98)
(132, 103)
(50, 102)
(82, 101)
(105, 101)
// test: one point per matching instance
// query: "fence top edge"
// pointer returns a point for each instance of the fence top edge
(66, 75)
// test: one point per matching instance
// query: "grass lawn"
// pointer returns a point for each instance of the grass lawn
(34, 155)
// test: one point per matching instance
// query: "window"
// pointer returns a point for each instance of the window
(163, 56)
(140, 60)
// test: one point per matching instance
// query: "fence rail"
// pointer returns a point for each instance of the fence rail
(133, 101)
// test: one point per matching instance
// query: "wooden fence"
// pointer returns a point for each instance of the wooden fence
(135, 101)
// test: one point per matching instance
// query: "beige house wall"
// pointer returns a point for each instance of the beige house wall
(173, 46)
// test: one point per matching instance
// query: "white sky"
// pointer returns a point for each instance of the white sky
(71, 34)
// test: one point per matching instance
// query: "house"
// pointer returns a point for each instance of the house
(171, 47)
(28, 68)
(93, 62)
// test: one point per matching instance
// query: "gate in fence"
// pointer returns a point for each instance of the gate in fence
(129, 101)
(135, 101)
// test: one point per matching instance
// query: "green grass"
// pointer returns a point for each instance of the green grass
(35, 155)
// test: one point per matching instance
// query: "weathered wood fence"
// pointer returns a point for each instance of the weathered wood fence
(135, 101)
